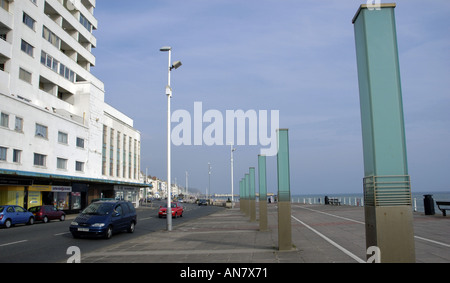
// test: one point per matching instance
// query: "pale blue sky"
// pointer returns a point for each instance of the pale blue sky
(294, 56)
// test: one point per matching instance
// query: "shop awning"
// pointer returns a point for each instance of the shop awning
(25, 176)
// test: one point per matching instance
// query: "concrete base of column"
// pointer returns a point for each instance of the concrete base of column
(252, 210)
(390, 228)
(263, 223)
(284, 226)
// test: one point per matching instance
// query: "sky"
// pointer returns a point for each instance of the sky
(296, 57)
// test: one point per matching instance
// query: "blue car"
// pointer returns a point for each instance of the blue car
(103, 218)
(13, 214)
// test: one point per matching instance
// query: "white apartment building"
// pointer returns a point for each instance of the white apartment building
(60, 143)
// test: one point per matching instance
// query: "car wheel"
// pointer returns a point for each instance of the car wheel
(132, 227)
(109, 233)
(8, 223)
(45, 219)
(31, 221)
(62, 218)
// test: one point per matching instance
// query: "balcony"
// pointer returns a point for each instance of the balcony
(5, 49)
(6, 18)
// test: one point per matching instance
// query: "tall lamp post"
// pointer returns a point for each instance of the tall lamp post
(173, 66)
(232, 177)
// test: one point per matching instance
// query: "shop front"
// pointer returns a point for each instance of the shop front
(70, 194)
(12, 195)
(127, 193)
(67, 198)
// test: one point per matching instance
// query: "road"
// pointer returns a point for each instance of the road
(48, 243)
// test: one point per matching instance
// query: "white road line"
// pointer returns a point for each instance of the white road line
(14, 243)
(432, 241)
(347, 252)
(141, 219)
(60, 234)
(417, 237)
(329, 214)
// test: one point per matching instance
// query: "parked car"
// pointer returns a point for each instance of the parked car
(103, 218)
(177, 210)
(46, 213)
(202, 202)
(13, 214)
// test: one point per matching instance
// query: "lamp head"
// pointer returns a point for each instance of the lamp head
(176, 65)
(165, 48)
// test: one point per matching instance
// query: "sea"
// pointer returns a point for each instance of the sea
(357, 199)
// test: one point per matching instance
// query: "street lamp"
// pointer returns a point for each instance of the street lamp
(173, 66)
(209, 181)
(232, 177)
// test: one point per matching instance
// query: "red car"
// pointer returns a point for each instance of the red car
(177, 210)
(45, 213)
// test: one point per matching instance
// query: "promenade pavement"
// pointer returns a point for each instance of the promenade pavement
(320, 234)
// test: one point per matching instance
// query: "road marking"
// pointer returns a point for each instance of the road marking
(329, 214)
(14, 243)
(347, 252)
(141, 219)
(432, 241)
(417, 237)
(60, 234)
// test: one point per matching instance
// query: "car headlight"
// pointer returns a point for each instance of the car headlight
(74, 223)
(98, 225)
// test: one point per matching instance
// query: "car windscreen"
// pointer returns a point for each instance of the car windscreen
(173, 205)
(34, 209)
(98, 208)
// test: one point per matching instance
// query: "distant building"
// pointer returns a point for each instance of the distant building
(60, 143)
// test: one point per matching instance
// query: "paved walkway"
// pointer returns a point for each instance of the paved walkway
(320, 234)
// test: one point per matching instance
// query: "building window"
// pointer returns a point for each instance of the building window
(3, 151)
(4, 4)
(67, 73)
(61, 163)
(51, 37)
(25, 75)
(62, 138)
(49, 61)
(4, 120)
(85, 22)
(111, 153)
(105, 133)
(57, 67)
(41, 131)
(124, 154)
(129, 157)
(118, 155)
(27, 48)
(80, 142)
(29, 21)
(135, 159)
(17, 156)
(79, 166)
(39, 159)
(18, 127)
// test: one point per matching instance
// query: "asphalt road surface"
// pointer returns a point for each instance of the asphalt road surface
(49, 243)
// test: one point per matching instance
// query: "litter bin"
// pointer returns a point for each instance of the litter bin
(428, 203)
(327, 200)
